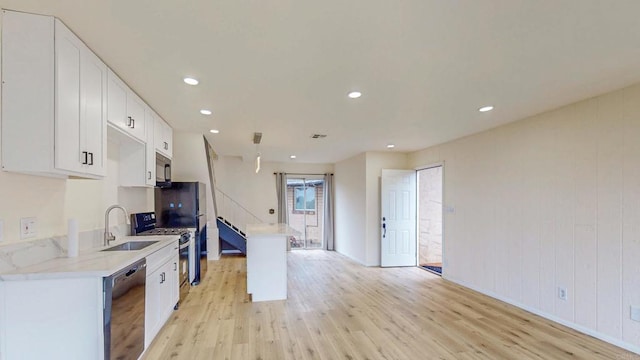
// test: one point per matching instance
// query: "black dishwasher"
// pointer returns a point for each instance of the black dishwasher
(124, 312)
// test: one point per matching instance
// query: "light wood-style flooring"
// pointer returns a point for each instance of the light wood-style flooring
(338, 309)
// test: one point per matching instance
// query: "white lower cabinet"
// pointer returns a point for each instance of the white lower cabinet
(161, 290)
(52, 319)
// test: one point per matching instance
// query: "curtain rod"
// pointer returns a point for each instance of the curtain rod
(275, 173)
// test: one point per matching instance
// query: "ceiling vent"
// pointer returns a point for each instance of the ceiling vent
(257, 137)
(318, 136)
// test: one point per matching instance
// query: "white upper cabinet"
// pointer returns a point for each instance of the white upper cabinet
(125, 108)
(150, 151)
(53, 100)
(163, 137)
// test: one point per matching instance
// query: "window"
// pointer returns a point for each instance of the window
(304, 198)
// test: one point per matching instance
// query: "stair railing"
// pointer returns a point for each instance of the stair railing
(233, 212)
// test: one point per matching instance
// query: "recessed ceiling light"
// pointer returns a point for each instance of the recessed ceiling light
(486, 108)
(354, 94)
(390, 146)
(191, 81)
(205, 112)
(214, 131)
(292, 156)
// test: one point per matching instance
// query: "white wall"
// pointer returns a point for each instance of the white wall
(31, 196)
(357, 215)
(351, 201)
(189, 163)
(257, 192)
(551, 201)
(53, 201)
(86, 200)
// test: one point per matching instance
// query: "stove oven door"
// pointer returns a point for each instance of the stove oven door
(184, 270)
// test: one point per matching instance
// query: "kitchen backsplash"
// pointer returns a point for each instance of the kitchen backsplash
(23, 254)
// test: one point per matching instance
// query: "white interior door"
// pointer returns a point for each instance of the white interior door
(398, 200)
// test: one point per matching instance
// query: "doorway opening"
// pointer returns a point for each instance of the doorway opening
(430, 219)
(305, 205)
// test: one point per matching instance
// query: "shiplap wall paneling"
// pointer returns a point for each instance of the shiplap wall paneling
(510, 196)
(631, 215)
(535, 171)
(585, 210)
(548, 291)
(564, 194)
(609, 226)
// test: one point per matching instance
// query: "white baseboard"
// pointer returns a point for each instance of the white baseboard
(606, 338)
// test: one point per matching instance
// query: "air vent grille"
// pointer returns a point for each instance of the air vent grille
(318, 136)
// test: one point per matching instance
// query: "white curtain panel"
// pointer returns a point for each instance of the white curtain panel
(281, 193)
(328, 212)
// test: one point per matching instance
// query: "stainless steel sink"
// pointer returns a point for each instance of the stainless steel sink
(131, 246)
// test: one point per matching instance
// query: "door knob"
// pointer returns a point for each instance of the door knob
(384, 227)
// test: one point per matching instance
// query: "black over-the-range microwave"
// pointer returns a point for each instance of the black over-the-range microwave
(163, 171)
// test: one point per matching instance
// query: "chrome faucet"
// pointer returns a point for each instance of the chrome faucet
(108, 236)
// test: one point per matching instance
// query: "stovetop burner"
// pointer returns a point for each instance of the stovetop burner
(164, 231)
(143, 224)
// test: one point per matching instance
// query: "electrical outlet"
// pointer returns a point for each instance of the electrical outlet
(28, 228)
(562, 293)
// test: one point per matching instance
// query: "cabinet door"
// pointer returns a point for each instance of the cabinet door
(168, 138)
(158, 139)
(125, 108)
(168, 289)
(68, 155)
(116, 101)
(135, 116)
(153, 301)
(175, 281)
(163, 137)
(150, 150)
(93, 90)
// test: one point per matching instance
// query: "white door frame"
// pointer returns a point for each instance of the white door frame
(424, 167)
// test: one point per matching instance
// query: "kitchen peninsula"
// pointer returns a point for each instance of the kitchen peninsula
(267, 260)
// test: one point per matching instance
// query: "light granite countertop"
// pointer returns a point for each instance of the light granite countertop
(90, 263)
(271, 229)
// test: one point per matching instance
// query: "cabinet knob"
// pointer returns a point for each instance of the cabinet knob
(130, 122)
(91, 157)
(86, 159)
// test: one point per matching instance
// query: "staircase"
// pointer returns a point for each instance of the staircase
(232, 223)
(232, 240)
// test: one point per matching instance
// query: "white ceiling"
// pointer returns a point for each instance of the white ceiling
(424, 67)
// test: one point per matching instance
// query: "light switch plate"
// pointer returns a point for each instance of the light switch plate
(562, 293)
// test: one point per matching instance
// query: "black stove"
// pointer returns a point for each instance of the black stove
(144, 224)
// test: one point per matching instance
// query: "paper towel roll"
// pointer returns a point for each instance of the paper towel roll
(72, 238)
